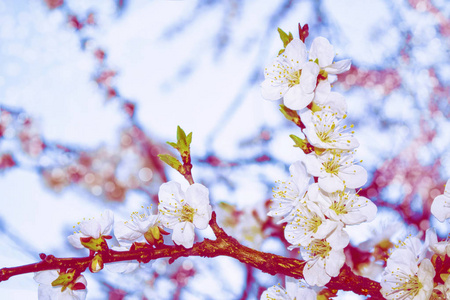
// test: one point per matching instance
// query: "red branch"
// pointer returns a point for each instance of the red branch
(223, 245)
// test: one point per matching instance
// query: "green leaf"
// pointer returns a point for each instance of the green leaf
(281, 52)
(298, 141)
(189, 139)
(181, 136)
(171, 161)
(173, 145)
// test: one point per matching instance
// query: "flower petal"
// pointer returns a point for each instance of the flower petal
(339, 67)
(74, 240)
(440, 208)
(330, 183)
(295, 54)
(91, 228)
(273, 91)
(308, 79)
(123, 232)
(322, 49)
(354, 176)
(170, 193)
(183, 234)
(296, 98)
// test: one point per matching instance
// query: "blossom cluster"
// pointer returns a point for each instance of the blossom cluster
(418, 270)
(179, 211)
(320, 199)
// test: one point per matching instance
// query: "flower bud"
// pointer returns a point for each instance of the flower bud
(96, 264)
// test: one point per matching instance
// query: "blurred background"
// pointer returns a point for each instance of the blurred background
(90, 91)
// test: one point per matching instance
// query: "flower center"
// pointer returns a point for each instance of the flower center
(319, 248)
(339, 206)
(324, 133)
(187, 213)
(314, 223)
(410, 287)
(332, 165)
(294, 78)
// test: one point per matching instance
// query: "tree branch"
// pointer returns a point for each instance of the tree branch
(223, 245)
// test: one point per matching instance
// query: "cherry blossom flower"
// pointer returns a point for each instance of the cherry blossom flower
(294, 77)
(93, 232)
(60, 285)
(440, 207)
(406, 277)
(141, 227)
(323, 130)
(325, 257)
(325, 99)
(287, 196)
(441, 248)
(295, 290)
(309, 224)
(322, 51)
(291, 76)
(442, 291)
(345, 206)
(336, 170)
(183, 212)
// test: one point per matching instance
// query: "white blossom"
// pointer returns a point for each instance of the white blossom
(406, 277)
(183, 212)
(441, 248)
(440, 207)
(444, 289)
(291, 76)
(322, 51)
(324, 130)
(345, 206)
(327, 100)
(309, 224)
(94, 228)
(324, 258)
(141, 227)
(295, 290)
(66, 289)
(287, 196)
(335, 170)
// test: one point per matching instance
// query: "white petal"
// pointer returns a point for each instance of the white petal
(334, 262)
(74, 240)
(330, 183)
(106, 222)
(339, 67)
(296, 98)
(354, 176)
(312, 164)
(323, 50)
(295, 54)
(197, 196)
(339, 239)
(170, 193)
(299, 176)
(308, 79)
(440, 208)
(124, 232)
(46, 277)
(314, 273)
(183, 234)
(291, 286)
(91, 228)
(273, 91)
(323, 89)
